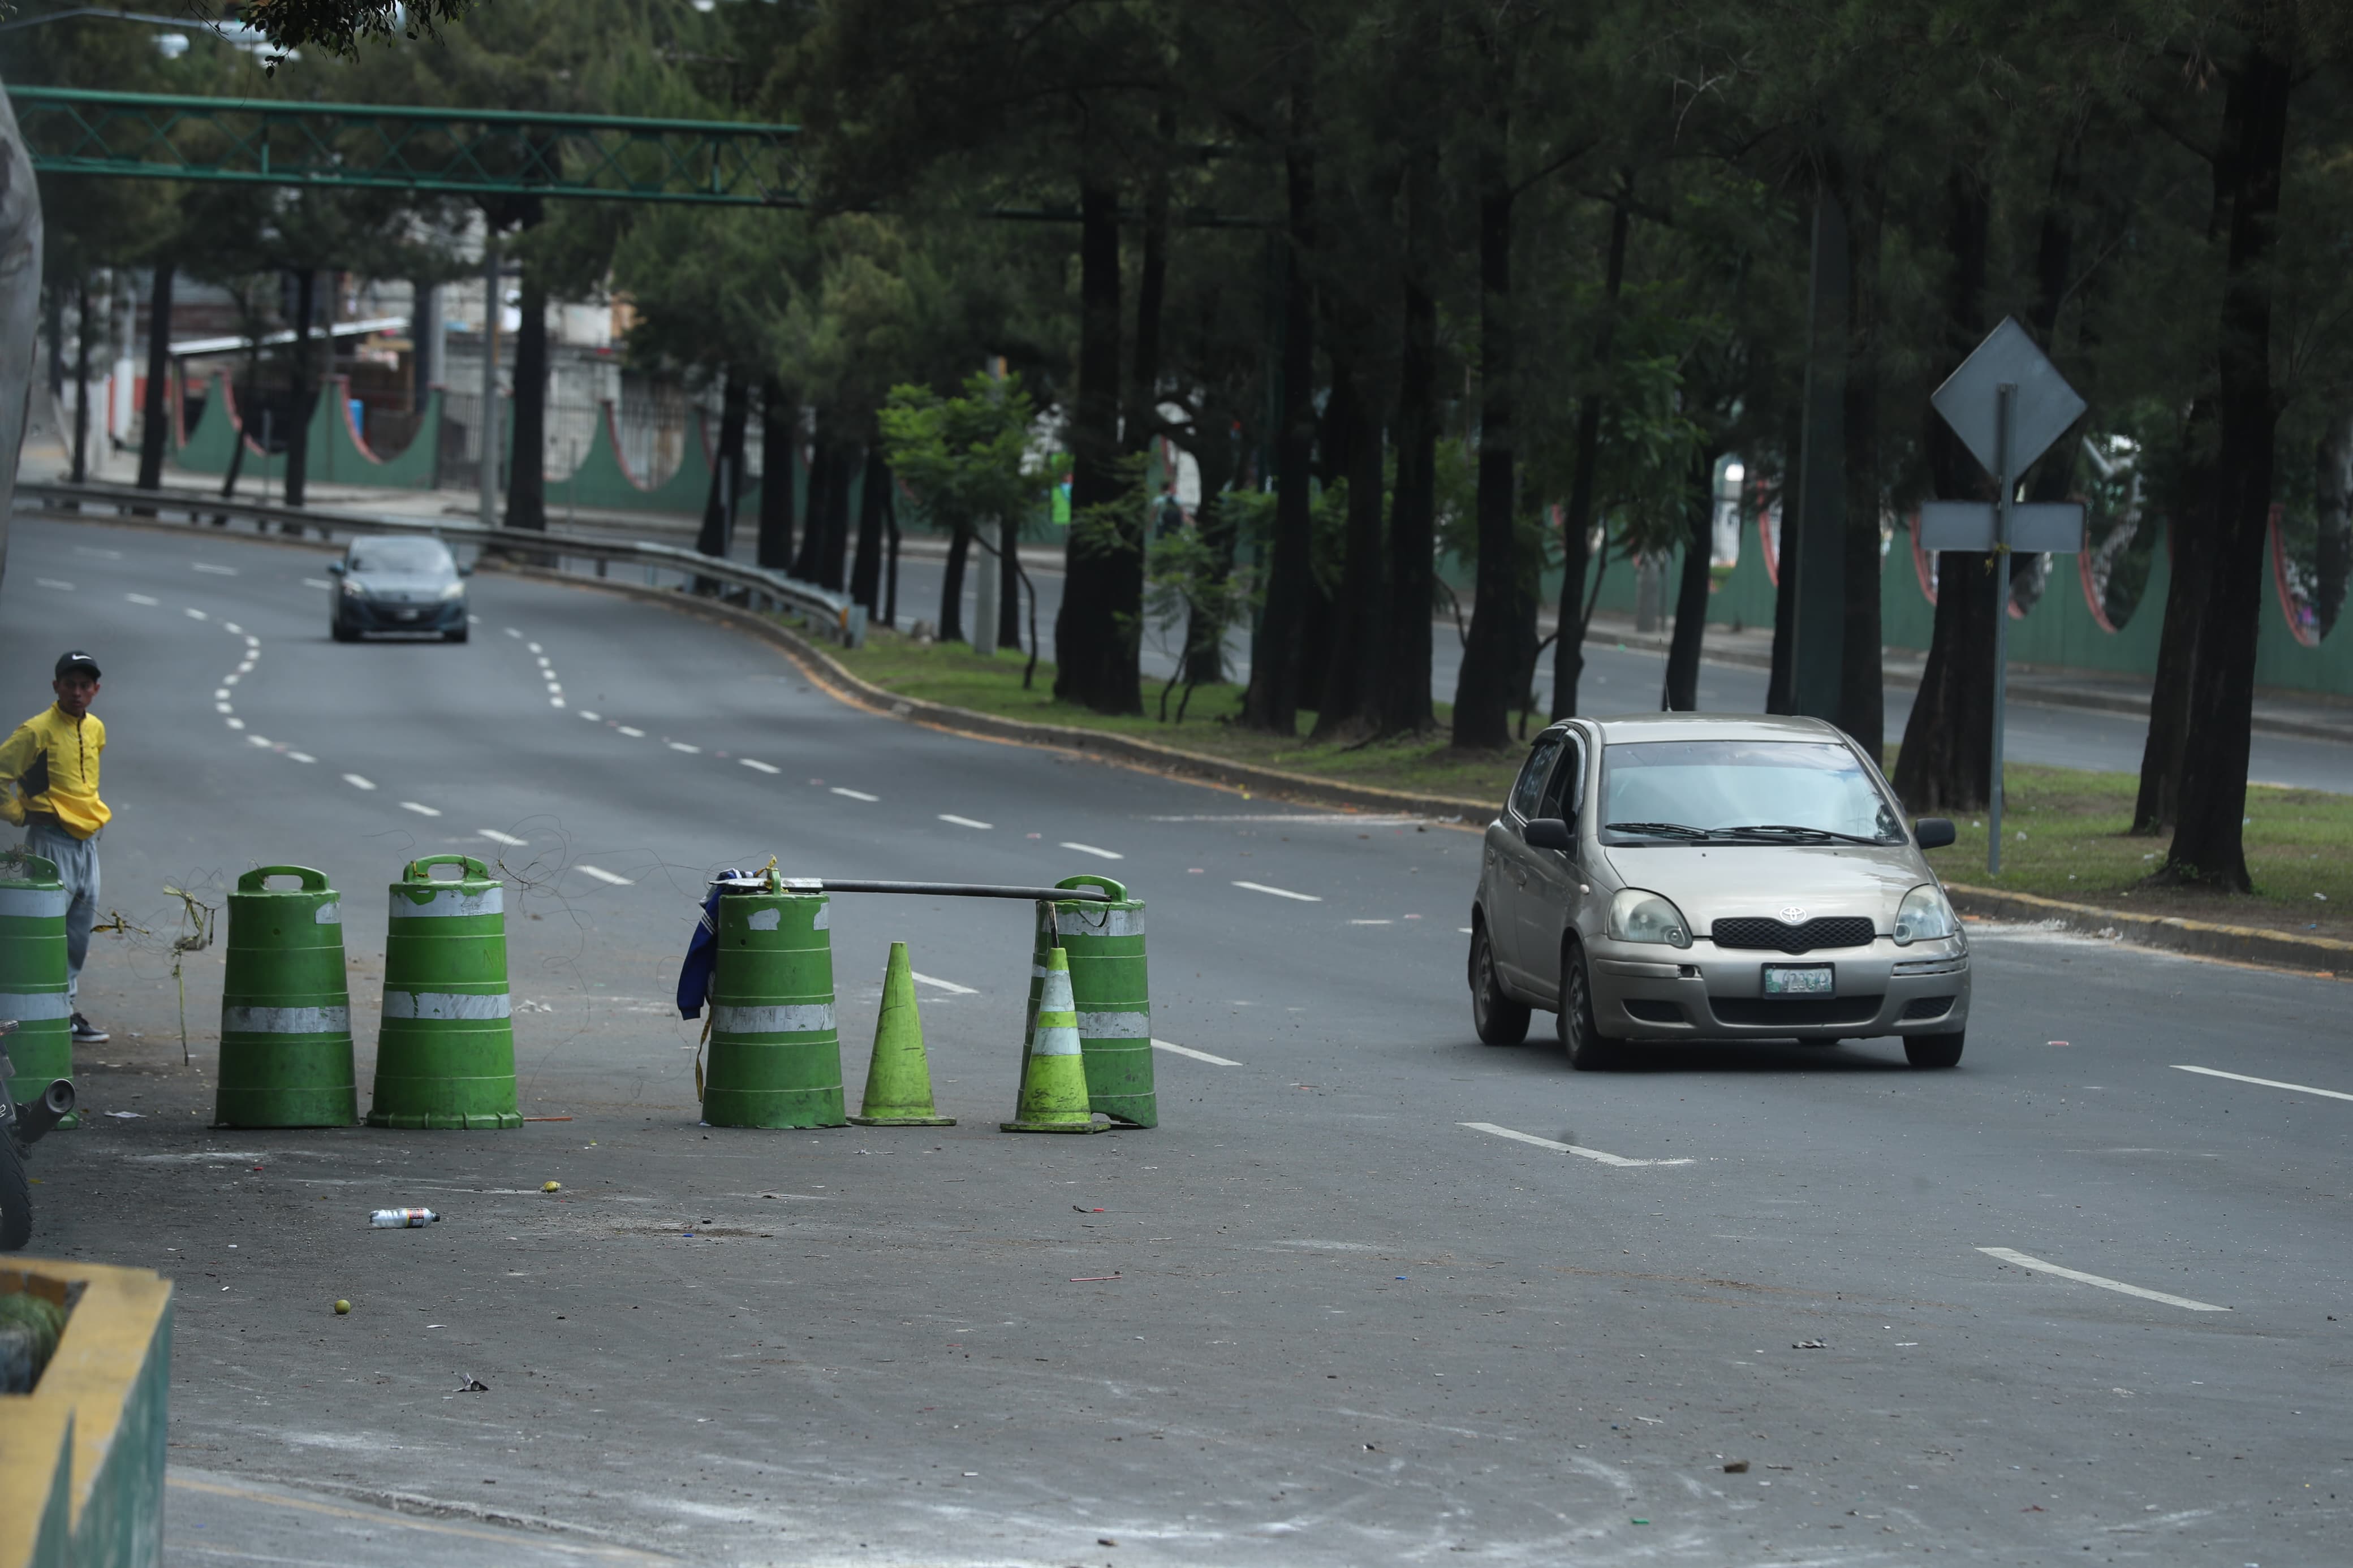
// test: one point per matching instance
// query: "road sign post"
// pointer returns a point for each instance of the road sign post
(2008, 403)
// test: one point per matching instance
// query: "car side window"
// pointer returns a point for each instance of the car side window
(1564, 795)
(1528, 792)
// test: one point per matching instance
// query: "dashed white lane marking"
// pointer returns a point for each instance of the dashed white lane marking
(1580, 1152)
(682, 746)
(420, 809)
(1372, 922)
(513, 633)
(532, 646)
(253, 642)
(302, 756)
(509, 839)
(964, 821)
(142, 599)
(1464, 931)
(473, 620)
(2008, 1256)
(950, 986)
(52, 583)
(555, 702)
(2263, 1082)
(232, 628)
(544, 661)
(1281, 892)
(316, 582)
(216, 570)
(195, 615)
(357, 781)
(1090, 849)
(633, 734)
(259, 740)
(759, 767)
(234, 723)
(592, 718)
(603, 876)
(223, 708)
(220, 693)
(856, 795)
(1197, 1056)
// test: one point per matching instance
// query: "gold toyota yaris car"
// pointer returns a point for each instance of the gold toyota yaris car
(1706, 876)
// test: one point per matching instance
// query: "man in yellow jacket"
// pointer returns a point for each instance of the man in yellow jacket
(49, 785)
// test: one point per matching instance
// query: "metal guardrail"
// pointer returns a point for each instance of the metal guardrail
(828, 614)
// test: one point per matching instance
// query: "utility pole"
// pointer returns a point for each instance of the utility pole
(492, 309)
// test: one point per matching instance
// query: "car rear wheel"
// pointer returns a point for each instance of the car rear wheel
(1500, 1020)
(1587, 1046)
(1934, 1050)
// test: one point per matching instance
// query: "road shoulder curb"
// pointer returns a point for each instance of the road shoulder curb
(2320, 955)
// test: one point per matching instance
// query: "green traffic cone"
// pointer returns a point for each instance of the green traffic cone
(1054, 1080)
(899, 1079)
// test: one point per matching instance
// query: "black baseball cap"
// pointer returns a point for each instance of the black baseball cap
(76, 660)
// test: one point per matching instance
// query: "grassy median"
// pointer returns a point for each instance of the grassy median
(2066, 827)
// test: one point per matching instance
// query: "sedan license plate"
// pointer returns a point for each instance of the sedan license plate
(1806, 980)
(407, 614)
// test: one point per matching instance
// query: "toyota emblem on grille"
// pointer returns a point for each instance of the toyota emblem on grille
(1795, 914)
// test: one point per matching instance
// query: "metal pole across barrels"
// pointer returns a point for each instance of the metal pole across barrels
(445, 1057)
(2005, 396)
(285, 1007)
(1104, 938)
(34, 975)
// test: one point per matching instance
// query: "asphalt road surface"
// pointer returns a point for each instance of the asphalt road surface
(1619, 679)
(1332, 1311)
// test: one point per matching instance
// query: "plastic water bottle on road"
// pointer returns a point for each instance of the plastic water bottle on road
(402, 1219)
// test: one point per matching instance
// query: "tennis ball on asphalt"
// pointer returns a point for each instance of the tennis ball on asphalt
(342, 1306)
(551, 1187)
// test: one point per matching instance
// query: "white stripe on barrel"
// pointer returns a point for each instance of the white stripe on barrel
(286, 1020)
(1115, 1026)
(35, 1006)
(1083, 922)
(804, 1018)
(33, 903)
(444, 1005)
(448, 903)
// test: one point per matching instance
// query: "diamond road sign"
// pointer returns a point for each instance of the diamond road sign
(2041, 410)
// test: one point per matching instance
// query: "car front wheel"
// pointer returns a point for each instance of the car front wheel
(1587, 1048)
(1500, 1020)
(340, 631)
(1934, 1050)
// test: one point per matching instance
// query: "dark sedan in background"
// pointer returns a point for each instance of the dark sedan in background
(402, 584)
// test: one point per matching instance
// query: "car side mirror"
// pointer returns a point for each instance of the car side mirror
(1548, 833)
(334, 568)
(1933, 832)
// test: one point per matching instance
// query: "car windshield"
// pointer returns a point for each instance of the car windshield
(1685, 792)
(402, 556)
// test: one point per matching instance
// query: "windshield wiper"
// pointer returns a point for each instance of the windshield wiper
(1784, 830)
(1658, 829)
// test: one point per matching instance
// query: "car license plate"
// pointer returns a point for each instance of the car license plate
(1808, 980)
(407, 614)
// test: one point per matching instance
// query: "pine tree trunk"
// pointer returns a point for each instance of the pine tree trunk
(1350, 701)
(2333, 492)
(1095, 652)
(2208, 846)
(727, 469)
(1272, 700)
(866, 572)
(809, 566)
(298, 416)
(1863, 699)
(780, 439)
(952, 588)
(1482, 692)
(2188, 533)
(155, 412)
(1682, 694)
(1576, 517)
(833, 566)
(527, 459)
(1405, 706)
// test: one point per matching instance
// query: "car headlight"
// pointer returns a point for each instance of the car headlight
(1925, 916)
(454, 591)
(352, 587)
(1638, 916)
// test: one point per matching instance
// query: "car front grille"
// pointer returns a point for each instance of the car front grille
(1794, 1012)
(1921, 1007)
(1827, 931)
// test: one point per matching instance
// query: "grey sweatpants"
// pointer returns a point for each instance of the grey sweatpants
(77, 863)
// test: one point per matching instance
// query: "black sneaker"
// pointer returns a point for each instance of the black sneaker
(88, 1033)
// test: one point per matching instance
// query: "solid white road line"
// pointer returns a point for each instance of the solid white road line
(965, 821)
(1582, 1153)
(420, 810)
(53, 582)
(142, 599)
(509, 839)
(1090, 849)
(759, 767)
(682, 746)
(1281, 892)
(856, 795)
(632, 734)
(2265, 1082)
(358, 781)
(602, 875)
(1197, 1056)
(216, 570)
(950, 986)
(2008, 1256)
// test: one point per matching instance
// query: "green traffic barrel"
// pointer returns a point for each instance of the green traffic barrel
(1105, 945)
(33, 976)
(285, 1007)
(444, 1054)
(775, 1059)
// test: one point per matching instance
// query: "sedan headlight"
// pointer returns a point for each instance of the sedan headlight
(1925, 916)
(1638, 916)
(454, 591)
(352, 587)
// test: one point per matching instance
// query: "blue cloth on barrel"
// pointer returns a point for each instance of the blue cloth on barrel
(702, 952)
